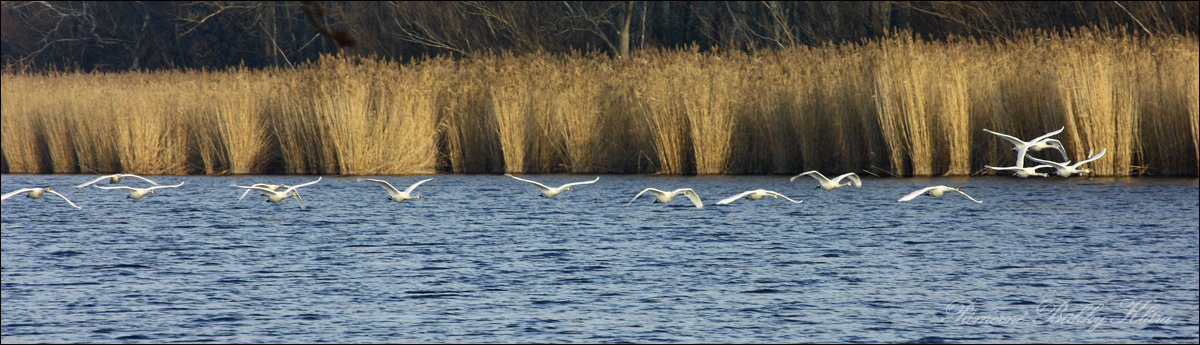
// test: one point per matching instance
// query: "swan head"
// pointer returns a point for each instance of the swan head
(419, 196)
(1081, 171)
(570, 188)
(114, 179)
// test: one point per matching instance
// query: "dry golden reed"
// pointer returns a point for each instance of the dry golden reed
(894, 106)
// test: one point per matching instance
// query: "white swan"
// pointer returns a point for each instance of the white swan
(1065, 170)
(277, 196)
(665, 197)
(115, 179)
(271, 186)
(548, 192)
(35, 193)
(755, 195)
(828, 184)
(138, 193)
(936, 191)
(1037, 144)
(395, 194)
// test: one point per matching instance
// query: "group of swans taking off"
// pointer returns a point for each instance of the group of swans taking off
(1063, 169)
(276, 193)
(135, 193)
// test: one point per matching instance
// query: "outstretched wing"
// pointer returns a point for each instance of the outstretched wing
(774, 193)
(535, 183)
(143, 178)
(655, 191)
(15, 192)
(98, 179)
(852, 176)
(1059, 146)
(65, 198)
(1046, 162)
(579, 183)
(410, 189)
(1092, 158)
(1016, 142)
(734, 198)
(1047, 135)
(815, 174)
(255, 187)
(1004, 168)
(968, 196)
(691, 194)
(292, 188)
(383, 183)
(915, 194)
(157, 187)
(114, 187)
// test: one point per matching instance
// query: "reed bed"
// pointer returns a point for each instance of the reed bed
(894, 106)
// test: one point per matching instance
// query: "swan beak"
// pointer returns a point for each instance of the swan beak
(419, 196)
(570, 188)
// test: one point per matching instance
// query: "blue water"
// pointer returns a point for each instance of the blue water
(484, 259)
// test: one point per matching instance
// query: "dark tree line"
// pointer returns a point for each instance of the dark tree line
(136, 35)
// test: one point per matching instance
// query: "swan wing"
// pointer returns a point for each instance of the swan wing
(410, 189)
(1047, 135)
(1004, 168)
(1092, 158)
(1059, 146)
(691, 194)
(299, 200)
(915, 194)
(815, 174)
(98, 179)
(15, 192)
(160, 186)
(65, 198)
(391, 189)
(292, 188)
(1016, 142)
(774, 193)
(579, 183)
(968, 196)
(1050, 163)
(258, 187)
(734, 198)
(535, 183)
(852, 176)
(272, 186)
(652, 190)
(114, 187)
(143, 178)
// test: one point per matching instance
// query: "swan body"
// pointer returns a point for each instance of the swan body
(828, 184)
(35, 193)
(549, 192)
(138, 193)
(756, 194)
(1066, 170)
(665, 197)
(1037, 144)
(936, 191)
(276, 196)
(396, 194)
(115, 179)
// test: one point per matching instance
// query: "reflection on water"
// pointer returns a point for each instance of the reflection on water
(483, 258)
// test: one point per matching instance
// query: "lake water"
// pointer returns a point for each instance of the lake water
(484, 259)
